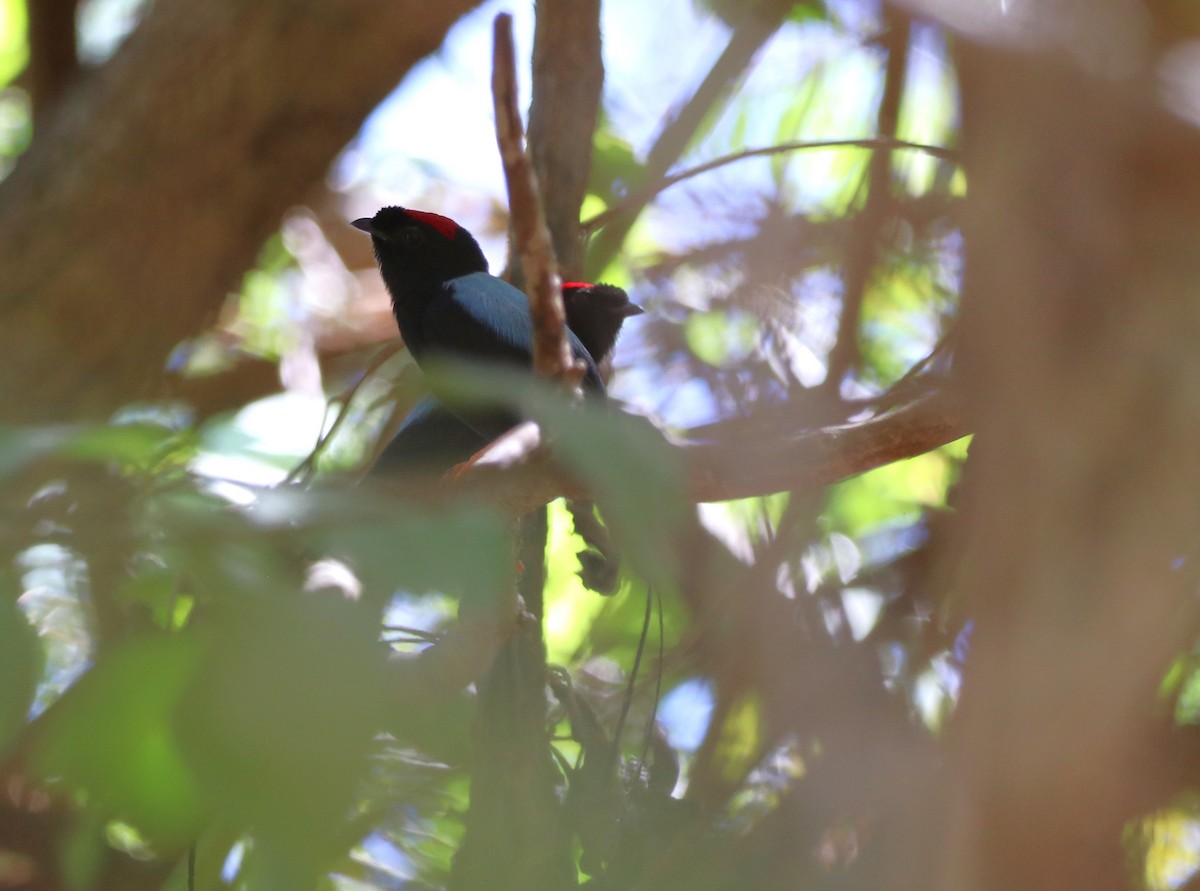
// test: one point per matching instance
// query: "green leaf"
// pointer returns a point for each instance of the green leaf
(719, 338)
(20, 664)
(458, 550)
(894, 493)
(570, 607)
(633, 472)
(14, 44)
(615, 169)
(84, 850)
(112, 736)
(615, 632)
(136, 444)
(740, 738)
(278, 724)
(807, 12)
(625, 460)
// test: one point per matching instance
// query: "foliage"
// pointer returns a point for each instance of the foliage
(208, 668)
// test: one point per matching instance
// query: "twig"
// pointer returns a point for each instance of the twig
(641, 197)
(461, 655)
(652, 717)
(627, 699)
(417, 633)
(551, 352)
(305, 467)
(863, 249)
(679, 131)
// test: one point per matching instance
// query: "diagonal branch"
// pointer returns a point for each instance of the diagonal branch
(863, 248)
(153, 186)
(671, 143)
(725, 468)
(642, 197)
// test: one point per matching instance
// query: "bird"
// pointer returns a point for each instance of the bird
(433, 439)
(596, 313)
(446, 303)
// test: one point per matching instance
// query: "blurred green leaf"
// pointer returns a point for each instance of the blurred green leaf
(277, 725)
(1187, 690)
(615, 631)
(891, 494)
(21, 663)
(84, 851)
(14, 42)
(112, 736)
(135, 445)
(737, 13)
(156, 587)
(791, 123)
(629, 466)
(458, 550)
(719, 338)
(570, 607)
(633, 472)
(739, 738)
(615, 169)
(807, 12)
(462, 551)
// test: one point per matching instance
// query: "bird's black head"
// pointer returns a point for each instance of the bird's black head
(416, 249)
(596, 313)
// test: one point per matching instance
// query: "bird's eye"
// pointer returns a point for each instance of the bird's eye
(411, 237)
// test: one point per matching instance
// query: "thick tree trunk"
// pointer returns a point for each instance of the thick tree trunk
(1080, 327)
(158, 178)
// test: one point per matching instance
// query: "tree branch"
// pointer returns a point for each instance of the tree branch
(53, 62)
(743, 45)
(551, 352)
(518, 473)
(155, 184)
(863, 248)
(568, 76)
(643, 196)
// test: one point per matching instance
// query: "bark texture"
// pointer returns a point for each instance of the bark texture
(156, 181)
(1079, 325)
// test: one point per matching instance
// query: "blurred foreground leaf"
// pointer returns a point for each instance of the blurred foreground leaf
(113, 736)
(624, 459)
(20, 664)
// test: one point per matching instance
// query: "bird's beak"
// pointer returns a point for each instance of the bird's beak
(631, 309)
(364, 223)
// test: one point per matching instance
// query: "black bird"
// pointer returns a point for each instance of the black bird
(595, 313)
(434, 439)
(446, 303)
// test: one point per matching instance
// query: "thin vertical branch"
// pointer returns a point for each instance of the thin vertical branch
(671, 143)
(863, 248)
(551, 353)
